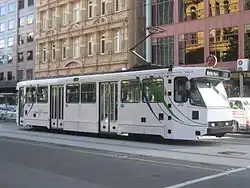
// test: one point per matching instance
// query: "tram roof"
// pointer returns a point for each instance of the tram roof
(141, 69)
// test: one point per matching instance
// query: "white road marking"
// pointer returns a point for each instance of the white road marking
(208, 177)
(42, 144)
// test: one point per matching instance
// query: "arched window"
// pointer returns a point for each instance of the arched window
(210, 10)
(193, 13)
(103, 43)
(226, 7)
(217, 9)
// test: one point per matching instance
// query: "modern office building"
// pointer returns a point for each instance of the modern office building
(84, 36)
(196, 29)
(16, 42)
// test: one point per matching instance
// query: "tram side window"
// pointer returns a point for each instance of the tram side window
(153, 90)
(130, 91)
(88, 93)
(30, 95)
(42, 94)
(73, 93)
(180, 91)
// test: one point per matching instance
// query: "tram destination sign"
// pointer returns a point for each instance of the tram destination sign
(217, 73)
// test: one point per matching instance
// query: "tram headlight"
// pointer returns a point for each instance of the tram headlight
(226, 123)
(211, 124)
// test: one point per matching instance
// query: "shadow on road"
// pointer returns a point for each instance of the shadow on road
(132, 138)
(137, 138)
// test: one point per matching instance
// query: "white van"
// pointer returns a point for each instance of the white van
(241, 113)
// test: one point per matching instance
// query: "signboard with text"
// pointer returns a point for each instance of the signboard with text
(236, 75)
(217, 73)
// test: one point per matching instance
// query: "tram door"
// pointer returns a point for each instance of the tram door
(108, 107)
(56, 106)
(20, 105)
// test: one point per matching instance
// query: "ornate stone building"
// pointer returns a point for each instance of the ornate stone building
(79, 36)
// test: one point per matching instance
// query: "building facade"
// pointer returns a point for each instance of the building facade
(84, 36)
(196, 29)
(16, 19)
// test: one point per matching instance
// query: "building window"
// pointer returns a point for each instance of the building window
(22, 21)
(1, 59)
(44, 54)
(10, 41)
(117, 42)
(76, 13)
(29, 74)
(53, 51)
(117, 5)
(90, 7)
(19, 75)
(224, 47)
(217, 9)
(247, 4)
(64, 15)
(103, 44)
(193, 39)
(64, 50)
(21, 39)
(76, 47)
(2, 43)
(90, 47)
(10, 58)
(210, 12)
(30, 19)
(224, 6)
(9, 75)
(191, 10)
(44, 20)
(2, 11)
(30, 37)
(191, 48)
(11, 24)
(20, 4)
(247, 41)
(29, 55)
(193, 13)
(103, 7)
(163, 51)
(20, 56)
(11, 7)
(163, 12)
(1, 76)
(2, 29)
(53, 17)
(30, 2)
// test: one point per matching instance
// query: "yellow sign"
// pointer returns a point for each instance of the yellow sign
(236, 75)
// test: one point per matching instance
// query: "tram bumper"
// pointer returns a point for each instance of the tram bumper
(219, 128)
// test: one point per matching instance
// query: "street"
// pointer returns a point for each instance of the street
(28, 163)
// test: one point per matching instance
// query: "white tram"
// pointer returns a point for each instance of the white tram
(175, 103)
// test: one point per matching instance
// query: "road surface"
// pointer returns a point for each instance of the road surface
(42, 159)
(33, 164)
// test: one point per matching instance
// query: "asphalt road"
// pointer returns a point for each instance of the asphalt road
(26, 164)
